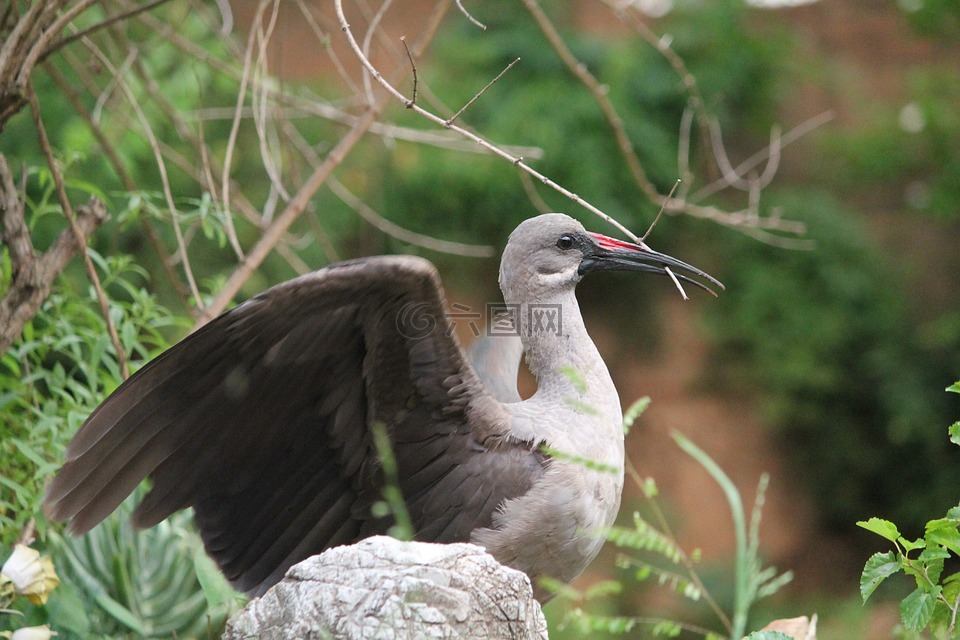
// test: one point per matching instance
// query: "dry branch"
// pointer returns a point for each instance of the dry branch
(273, 234)
(749, 220)
(33, 274)
(78, 235)
(483, 142)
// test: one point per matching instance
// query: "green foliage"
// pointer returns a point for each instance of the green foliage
(58, 372)
(938, 18)
(128, 583)
(753, 581)
(650, 554)
(935, 602)
(911, 150)
(826, 340)
(392, 504)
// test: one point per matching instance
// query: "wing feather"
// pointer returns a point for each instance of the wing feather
(261, 422)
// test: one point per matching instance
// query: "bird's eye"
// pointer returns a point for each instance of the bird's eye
(565, 242)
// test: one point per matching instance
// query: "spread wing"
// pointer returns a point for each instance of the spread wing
(261, 421)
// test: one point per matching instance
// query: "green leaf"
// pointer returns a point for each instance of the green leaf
(917, 609)
(649, 488)
(935, 552)
(216, 589)
(66, 610)
(666, 629)
(954, 431)
(943, 531)
(120, 613)
(603, 588)
(955, 387)
(883, 528)
(911, 546)
(878, 568)
(634, 412)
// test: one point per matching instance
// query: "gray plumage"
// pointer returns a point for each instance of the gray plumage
(261, 420)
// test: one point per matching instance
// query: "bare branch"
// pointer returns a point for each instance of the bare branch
(418, 239)
(413, 68)
(470, 17)
(786, 139)
(599, 94)
(450, 120)
(531, 190)
(33, 275)
(78, 233)
(660, 213)
(515, 161)
(368, 38)
(120, 17)
(161, 166)
(123, 174)
(273, 234)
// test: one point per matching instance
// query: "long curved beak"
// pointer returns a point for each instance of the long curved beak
(611, 254)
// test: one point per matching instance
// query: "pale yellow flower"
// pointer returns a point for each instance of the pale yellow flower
(33, 633)
(28, 574)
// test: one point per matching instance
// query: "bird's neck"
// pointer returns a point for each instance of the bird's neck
(562, 356)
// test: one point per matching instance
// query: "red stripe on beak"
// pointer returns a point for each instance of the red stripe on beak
(606, 242)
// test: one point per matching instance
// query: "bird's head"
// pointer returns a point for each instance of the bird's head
(552, 252)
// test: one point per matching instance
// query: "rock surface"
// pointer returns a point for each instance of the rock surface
(385, 588)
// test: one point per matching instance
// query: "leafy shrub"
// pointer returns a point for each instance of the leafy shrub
(126, 583)
(58, 372)
(825, 338)
(935, 603)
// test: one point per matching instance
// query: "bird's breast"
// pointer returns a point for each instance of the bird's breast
(556, 529)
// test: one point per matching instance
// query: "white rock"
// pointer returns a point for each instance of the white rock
(381, 588)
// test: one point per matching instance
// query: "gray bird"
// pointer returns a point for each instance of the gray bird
(261, 421)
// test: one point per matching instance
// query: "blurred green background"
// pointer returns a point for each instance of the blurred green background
(824, 365)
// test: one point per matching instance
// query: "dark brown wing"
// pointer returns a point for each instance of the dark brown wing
(261, 422)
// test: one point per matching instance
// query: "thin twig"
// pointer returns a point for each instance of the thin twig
(294, 208)
(787, 138)
(531, 190)
(259, 100)
(298, 203)
(670, 273)
(660, 213)
(79, 236)
(161, 166)
(450, 120)
(599, 93)
(367, 212)
(413, 68)
(63, 42)
(241, 96)
(114, 158)
(405, 235)
(368, 39)
(470, 17)
(211, 183)
(515, 161)
(324, 39)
